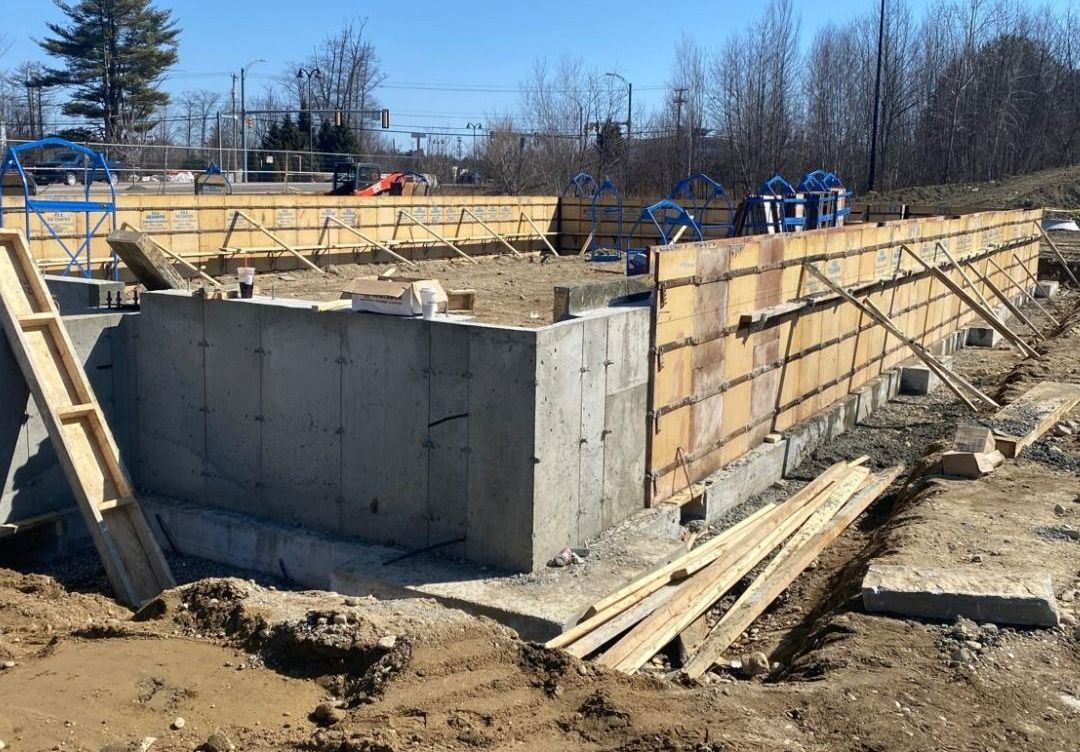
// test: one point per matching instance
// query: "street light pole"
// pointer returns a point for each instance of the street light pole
(243, 119)
(310, 74)
(474, 127)
(629, 119)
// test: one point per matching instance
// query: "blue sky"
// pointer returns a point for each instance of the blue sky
(473, 43)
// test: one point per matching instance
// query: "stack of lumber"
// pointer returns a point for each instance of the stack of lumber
(627, 628)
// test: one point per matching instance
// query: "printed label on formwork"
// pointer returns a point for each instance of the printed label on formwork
(185, 220)
(155, 221)
(62, 223)
(348, 216)
(327, 211)
(285, 218)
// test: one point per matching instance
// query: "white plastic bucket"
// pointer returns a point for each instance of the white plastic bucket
(429, 301)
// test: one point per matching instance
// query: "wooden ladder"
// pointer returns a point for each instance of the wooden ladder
(83, 441)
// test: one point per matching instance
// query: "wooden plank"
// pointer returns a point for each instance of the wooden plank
(1011, 307)
(174, 256)
(382, 247)
(789, 563)
(486, 226)
(1057, 252)
(1034, 281)
(80, 435)
(698, 593)
(145, 260)
(1023, 291)
(931, 362)
(1040, 407)
(589, 643)
(540, 233)
(278, 240)
(408, 215)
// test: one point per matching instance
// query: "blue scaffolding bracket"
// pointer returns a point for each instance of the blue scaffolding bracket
(79, 259)
(775, 209)
(667, 217)
(599, 212)
(582, 185)
(699, 193)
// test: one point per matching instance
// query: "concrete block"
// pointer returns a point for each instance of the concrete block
(1024, 598)
(983, 336)
(1047, 288)
(75, 295)
(749, 475)
(582, 299)
(918, 380)
(974, 438)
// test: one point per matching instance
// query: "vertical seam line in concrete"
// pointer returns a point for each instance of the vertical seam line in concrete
(204, 345)
(428, 444)
(260, 418)
(582, 362)
(340, 500)
(604, 423)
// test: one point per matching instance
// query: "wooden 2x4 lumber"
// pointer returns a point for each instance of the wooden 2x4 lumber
(1057, 252)
(699, 592)
(1012, 307)
(540, 233)
(277, 240)
(986, 315)
(963, 275)
(1034, 281)
(486, 226)
(627, 596)
(373, 242)
(786, 567)
(922, 353)
(408, 215)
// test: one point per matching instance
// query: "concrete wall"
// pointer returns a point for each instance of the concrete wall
(515, 442)
(31, 480)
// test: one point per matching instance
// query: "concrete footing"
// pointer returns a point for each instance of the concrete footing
(916, 379)
(983, 336)
(539, 605)
(1001, 597)
(1047, 288)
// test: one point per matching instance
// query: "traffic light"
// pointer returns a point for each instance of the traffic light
(337, 118)
(385, 119)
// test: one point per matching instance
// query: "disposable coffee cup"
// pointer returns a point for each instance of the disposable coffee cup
(429, 301)
(246, 275)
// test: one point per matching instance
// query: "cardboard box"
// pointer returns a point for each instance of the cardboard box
(395, 296)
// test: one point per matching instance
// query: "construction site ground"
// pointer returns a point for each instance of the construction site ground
(258, 668)
(510, 290)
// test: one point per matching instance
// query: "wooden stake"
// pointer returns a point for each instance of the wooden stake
(588, 242)
(465, 210)
(781, 572)
(381, 246)
(986, 315)
(1054, 248)
(1023, 291)
(437, 236)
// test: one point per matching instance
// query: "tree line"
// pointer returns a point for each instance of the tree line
(972, 90)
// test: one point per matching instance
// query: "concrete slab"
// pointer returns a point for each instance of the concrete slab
(1024, 598)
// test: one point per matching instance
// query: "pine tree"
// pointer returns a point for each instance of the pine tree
(113, 52)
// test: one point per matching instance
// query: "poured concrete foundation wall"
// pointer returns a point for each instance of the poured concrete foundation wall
(32, 482)
(499, 445)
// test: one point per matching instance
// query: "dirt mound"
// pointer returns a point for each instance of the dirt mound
(1057, 188)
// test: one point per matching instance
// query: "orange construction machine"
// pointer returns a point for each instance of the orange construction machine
(367, 179)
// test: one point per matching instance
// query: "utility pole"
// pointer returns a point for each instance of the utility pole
(243, 119)
(679, 102)
(877, 99)
(629, 120)
(232, 130)
(301, 73)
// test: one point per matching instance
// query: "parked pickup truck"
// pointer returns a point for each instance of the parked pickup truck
(71, 168)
